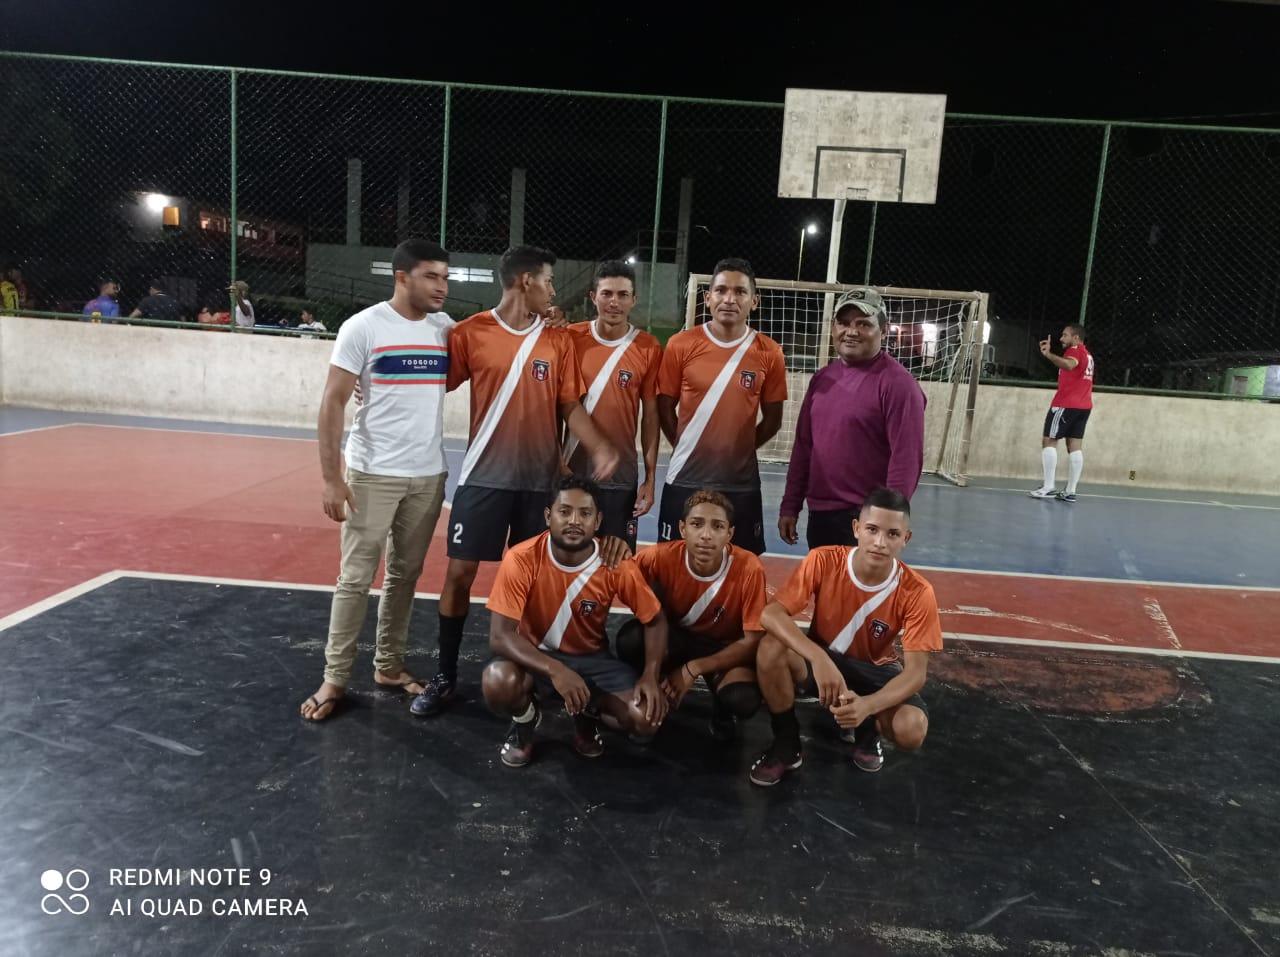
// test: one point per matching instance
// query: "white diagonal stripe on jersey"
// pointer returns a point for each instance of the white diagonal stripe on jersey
(498, 406)
(845, 638)
(600, 383)
(708, 596)
(551, 640)
(702, 415)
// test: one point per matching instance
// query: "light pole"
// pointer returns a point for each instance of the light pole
(809, 230)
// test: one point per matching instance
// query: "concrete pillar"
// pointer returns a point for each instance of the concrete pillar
(517, 207)
(402, 205)
(353, 202)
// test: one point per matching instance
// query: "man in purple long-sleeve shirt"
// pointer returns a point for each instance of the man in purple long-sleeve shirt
(861, 426)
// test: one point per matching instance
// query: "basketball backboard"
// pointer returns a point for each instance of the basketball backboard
(881, 147)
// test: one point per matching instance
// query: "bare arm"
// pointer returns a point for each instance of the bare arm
(604, 457)
(649, 427)
(505, 640)
(649, 451)
(333, 403)
(915, 667)
(737, 654)
(779, 624)
(770, 422)
(1046, 350)
(667, 417)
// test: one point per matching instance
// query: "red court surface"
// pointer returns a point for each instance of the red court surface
(84, 500)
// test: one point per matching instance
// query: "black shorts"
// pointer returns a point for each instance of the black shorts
(485, 520)
(748, 516)
(603, 673)
(617, 506)
(862, 677)
(1062, 423)
(683, 646)
(831, 528)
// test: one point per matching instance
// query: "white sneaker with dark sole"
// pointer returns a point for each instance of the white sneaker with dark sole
(1042, 493)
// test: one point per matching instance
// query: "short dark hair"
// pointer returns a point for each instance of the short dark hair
(157, 285)
(1076, 330)
(413, 251)
(614, 269)
(707, 496)
(522, 259)
(568, 483)
(735, 264)
(888, 499)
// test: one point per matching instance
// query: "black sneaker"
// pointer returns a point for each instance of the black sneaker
(772, 766)
(517, 750)
(586, 736)
(434, 698)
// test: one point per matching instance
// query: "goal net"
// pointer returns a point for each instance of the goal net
(937, 334)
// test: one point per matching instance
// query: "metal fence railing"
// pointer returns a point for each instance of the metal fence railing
(1163, 240)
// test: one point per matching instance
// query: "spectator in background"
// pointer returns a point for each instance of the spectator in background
(307, 322)
(244, 308)
(207, 317)
(8, 293)
(21, 294)
(157, 305)
(104, 306)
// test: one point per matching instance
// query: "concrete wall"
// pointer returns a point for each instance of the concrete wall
(1166, 442)
(172, 373)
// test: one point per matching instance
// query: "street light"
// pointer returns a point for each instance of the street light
(810, 230)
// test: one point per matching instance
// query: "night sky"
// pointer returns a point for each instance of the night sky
(1133, 60)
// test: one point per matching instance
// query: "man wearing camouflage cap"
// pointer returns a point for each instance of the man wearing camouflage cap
(861, 426)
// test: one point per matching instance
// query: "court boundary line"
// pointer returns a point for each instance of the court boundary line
(58, 598)
(106, 578)
(39, 428)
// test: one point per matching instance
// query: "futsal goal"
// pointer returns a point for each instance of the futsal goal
(937, 334)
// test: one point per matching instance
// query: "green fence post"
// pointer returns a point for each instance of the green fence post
(444, 165)
(657, 218)
(1093, 229)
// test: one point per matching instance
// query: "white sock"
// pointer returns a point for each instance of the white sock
(1049, 457)
(528, 716)
(1075, 462)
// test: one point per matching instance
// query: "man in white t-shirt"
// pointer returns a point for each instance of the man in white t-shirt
(394, 482)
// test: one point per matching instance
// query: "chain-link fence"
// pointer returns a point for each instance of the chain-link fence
(1164, 240)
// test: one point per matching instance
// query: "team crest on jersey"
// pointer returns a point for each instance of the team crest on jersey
(747, 380)
(879, 629)
(624, 379)
(587, 607)
(541, 370)
(631, 528)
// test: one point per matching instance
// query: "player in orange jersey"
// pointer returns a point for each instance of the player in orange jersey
(620, 374)
(548, 610)
(720, 393)
(864, 600)
(524, 382)
(712, 593)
